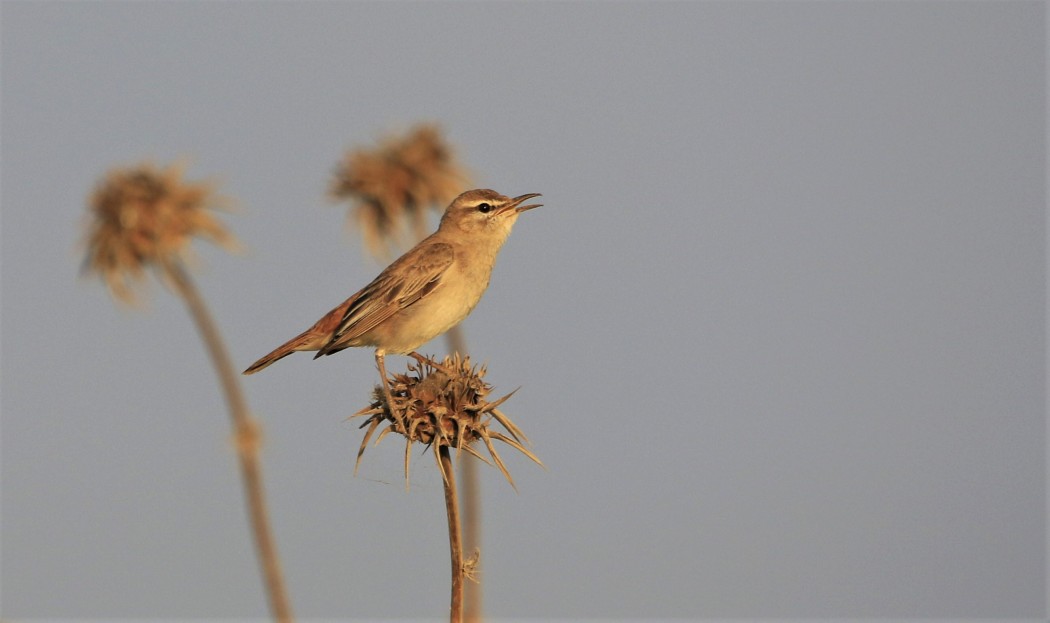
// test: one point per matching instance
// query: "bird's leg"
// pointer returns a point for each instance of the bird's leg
(381, 361)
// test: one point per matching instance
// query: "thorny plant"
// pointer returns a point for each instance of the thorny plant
(144, 217)
(392, 185)
(443, 404)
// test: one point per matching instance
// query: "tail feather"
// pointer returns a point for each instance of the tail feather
(304, 341)
(314, 338)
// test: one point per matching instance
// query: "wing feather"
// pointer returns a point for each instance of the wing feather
(405, 282)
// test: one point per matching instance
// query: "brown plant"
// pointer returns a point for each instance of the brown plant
(444, 406)
(145, 217)
(392, 185)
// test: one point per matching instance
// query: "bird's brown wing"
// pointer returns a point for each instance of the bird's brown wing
(405, 282)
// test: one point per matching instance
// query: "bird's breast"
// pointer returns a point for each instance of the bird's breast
(446, 306)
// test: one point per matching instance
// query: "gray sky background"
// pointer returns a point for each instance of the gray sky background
(779, 329)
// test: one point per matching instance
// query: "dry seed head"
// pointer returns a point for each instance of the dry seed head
(142, 216)
(443, 404)
(438, 177)
(392, 185)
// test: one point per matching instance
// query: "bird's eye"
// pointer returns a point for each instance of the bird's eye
(484, 208)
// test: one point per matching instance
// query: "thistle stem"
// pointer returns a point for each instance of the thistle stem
(455, 546)
(470, 500)
(247, 434)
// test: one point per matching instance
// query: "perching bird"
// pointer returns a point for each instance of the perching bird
(422, 294)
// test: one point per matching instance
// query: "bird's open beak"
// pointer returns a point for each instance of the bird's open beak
(516, 204)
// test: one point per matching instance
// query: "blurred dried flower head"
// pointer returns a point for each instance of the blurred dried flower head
(143, 215)
(391, 186)
(444, 404)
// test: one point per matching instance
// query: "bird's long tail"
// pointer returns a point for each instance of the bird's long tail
(314, 338)
(307, 340)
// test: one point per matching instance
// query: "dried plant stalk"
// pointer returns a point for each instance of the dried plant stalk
(444, 407)
(392, 185)
(469, 502)
(454, 541)
(247, 441)
(146, 217)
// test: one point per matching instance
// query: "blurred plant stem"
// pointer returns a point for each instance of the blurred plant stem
(246, 434)
(145, 217)
(454, 541)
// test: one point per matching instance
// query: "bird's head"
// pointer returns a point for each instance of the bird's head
(484, 212)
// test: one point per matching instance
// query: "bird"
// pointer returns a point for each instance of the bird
(423, 293)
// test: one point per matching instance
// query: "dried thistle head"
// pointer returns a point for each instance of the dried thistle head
(143, 216)
(443, 404)
(392, 186)
(438, 178)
